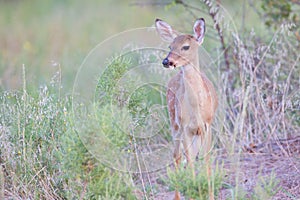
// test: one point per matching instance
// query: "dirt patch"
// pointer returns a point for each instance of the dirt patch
(280, 158)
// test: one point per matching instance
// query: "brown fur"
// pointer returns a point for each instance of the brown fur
(191, 98)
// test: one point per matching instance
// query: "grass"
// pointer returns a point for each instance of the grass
(111, 151)
(194, 186)
(267, 187)
(40, 150)
(39, 33)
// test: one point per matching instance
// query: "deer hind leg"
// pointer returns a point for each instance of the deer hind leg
(207, 149)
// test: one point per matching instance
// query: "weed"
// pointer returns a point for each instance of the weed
(194, 186)
(267, 187)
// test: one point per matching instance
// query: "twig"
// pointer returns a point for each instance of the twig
(150, 3)
(220, 33)
(187, 6)
(84, 190)
(1, 182)
(213, 15)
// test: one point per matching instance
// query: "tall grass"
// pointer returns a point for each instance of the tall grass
(257, 80)
(42, 157)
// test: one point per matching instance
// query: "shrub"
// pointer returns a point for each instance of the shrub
(194, 186)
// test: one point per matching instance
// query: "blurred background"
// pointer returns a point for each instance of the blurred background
(50, 34)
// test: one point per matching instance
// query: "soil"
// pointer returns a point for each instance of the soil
(280, 158)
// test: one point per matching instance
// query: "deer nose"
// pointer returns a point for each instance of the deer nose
(166, 63)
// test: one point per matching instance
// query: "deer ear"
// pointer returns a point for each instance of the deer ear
(199, 30)
(165, 31)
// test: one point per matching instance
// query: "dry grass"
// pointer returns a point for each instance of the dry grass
(257, 127)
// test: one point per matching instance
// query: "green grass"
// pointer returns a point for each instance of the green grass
(195, 185)
(39, 33)
(41, 150)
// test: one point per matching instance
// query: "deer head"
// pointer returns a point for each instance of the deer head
(183, 48)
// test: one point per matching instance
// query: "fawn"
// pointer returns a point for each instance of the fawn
(191, 97)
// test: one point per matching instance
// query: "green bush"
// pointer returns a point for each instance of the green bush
(41, 155)
(87, 178)
(110, 91)
(192, 185)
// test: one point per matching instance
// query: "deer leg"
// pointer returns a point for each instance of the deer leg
(188, 148)
(177, 157)
(207, 149)
(177, 152)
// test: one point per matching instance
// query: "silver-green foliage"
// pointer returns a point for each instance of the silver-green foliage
(194, 185)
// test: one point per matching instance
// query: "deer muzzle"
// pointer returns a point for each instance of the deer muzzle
(167, 63)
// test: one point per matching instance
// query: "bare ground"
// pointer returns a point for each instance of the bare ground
(280, 157)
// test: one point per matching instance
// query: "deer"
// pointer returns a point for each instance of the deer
(191, 97)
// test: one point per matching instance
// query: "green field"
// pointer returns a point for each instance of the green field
(83, 111)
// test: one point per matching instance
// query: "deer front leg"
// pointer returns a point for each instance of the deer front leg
(177, 158)
(190, 155)
(177, 155)
(188, 151)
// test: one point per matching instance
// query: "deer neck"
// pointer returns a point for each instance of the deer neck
(191, 68)
(192, 81)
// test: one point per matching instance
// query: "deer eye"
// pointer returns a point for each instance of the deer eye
(185, 48)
